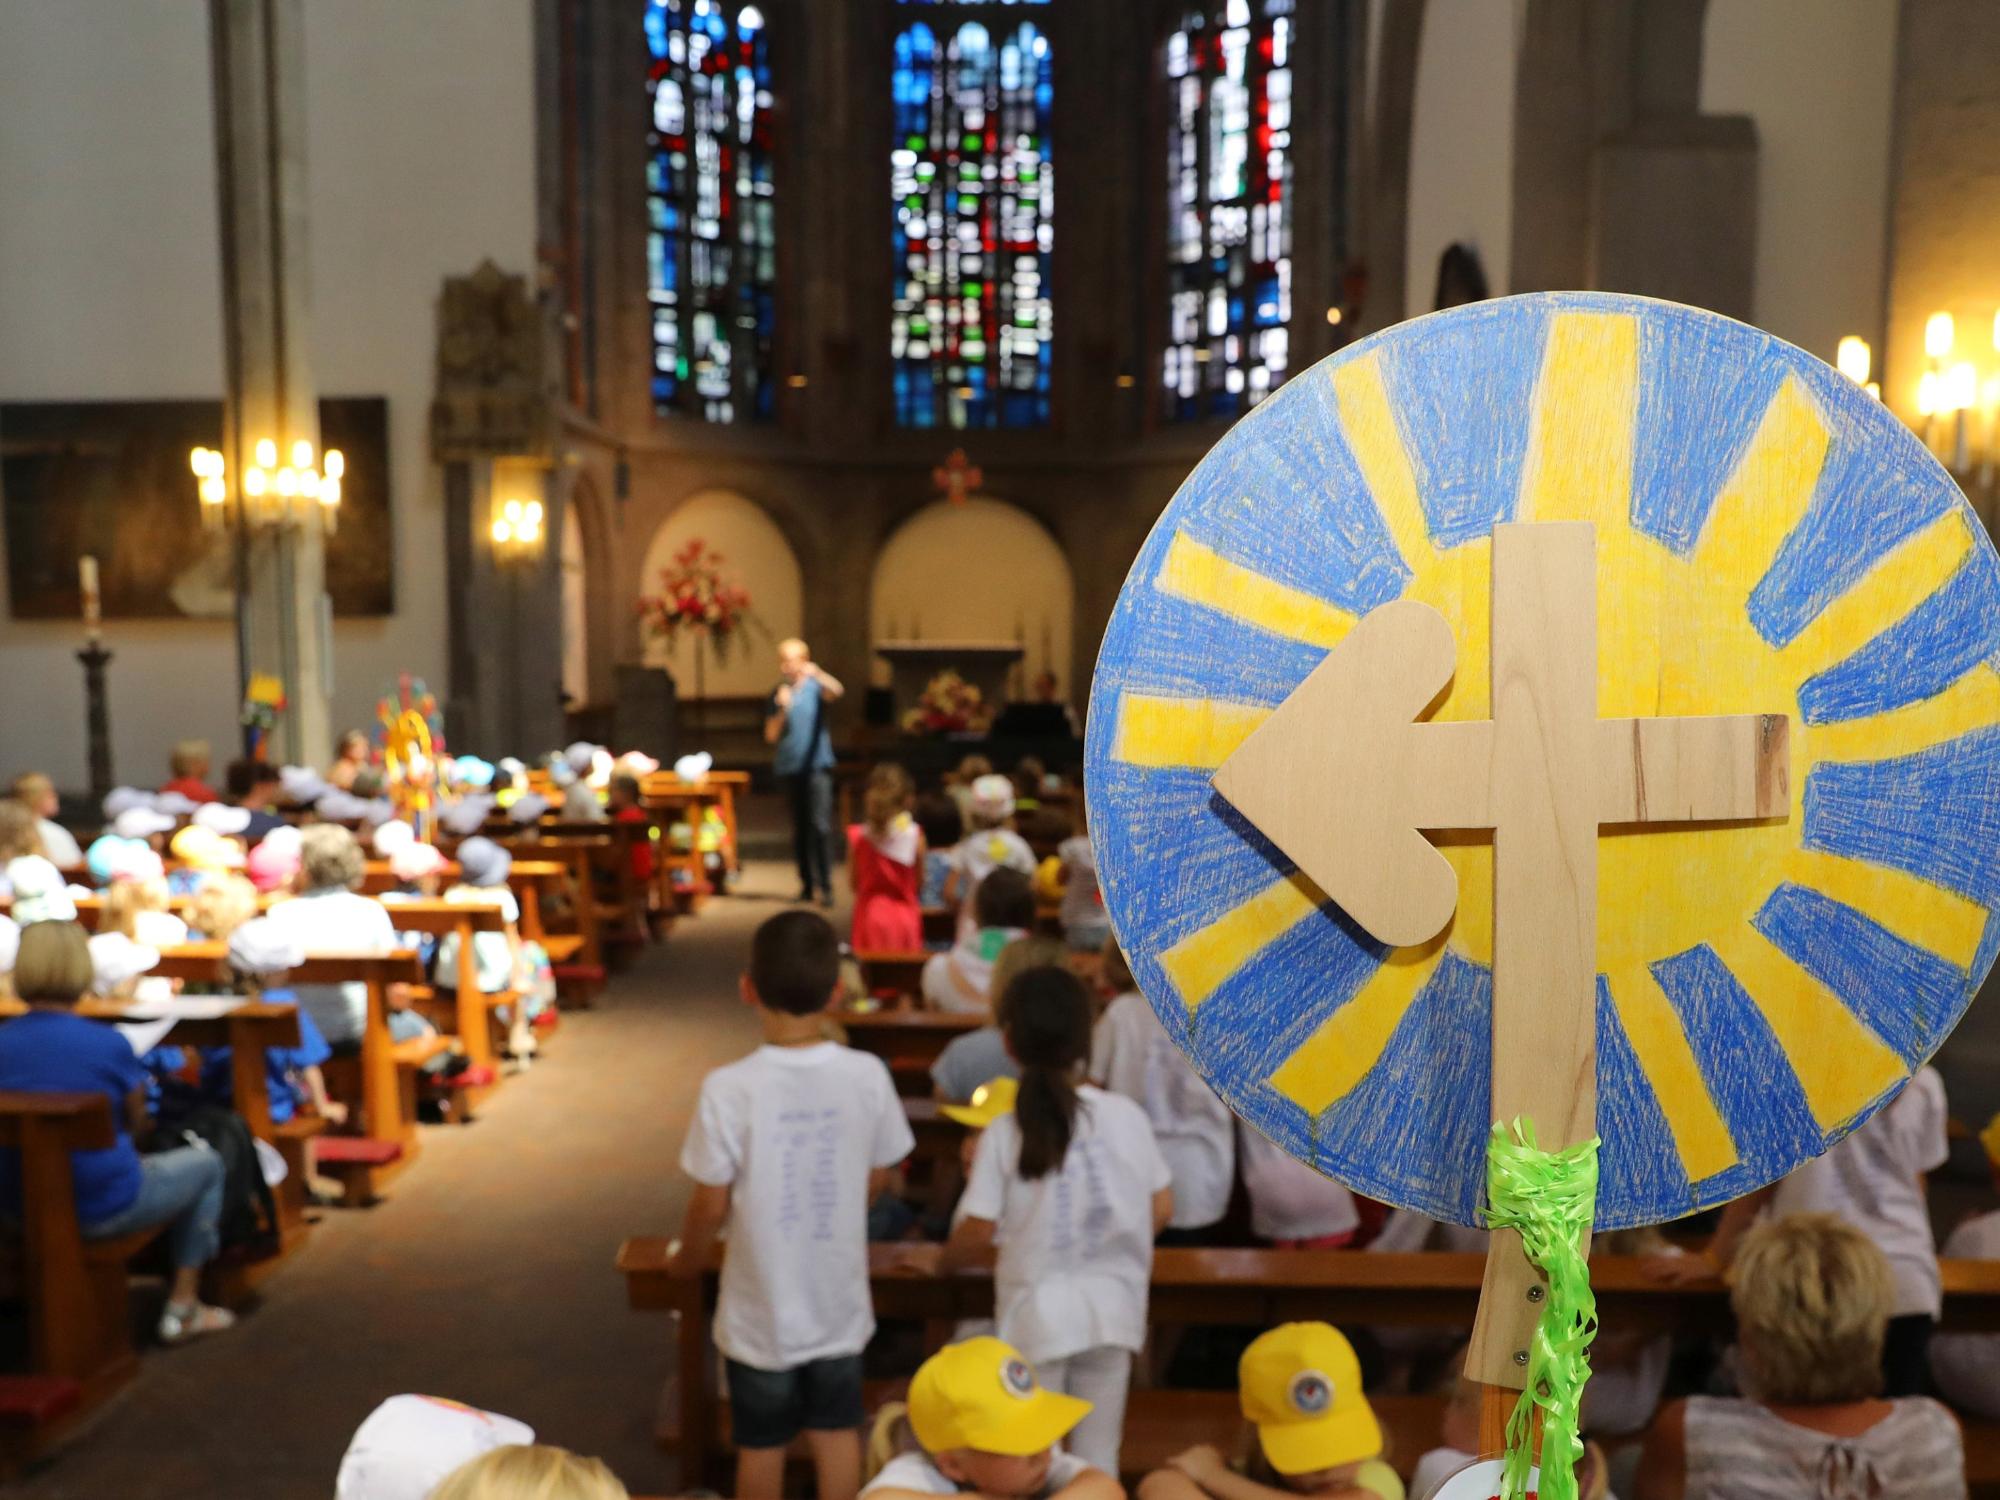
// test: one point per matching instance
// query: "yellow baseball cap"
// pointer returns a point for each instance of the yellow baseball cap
(1301, 1386)
(989, 1102)
(1989, 1138)
(981, 1394)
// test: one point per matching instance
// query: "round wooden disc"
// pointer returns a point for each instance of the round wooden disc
(1769, 539)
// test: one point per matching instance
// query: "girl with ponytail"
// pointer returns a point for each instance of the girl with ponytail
(1073, 1189)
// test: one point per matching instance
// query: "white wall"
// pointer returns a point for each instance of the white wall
(1818, 78)
(1462, 143)
(420, 141)
(756, 555)
(983, 571)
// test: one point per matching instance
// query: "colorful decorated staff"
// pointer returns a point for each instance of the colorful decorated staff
(1709, 753)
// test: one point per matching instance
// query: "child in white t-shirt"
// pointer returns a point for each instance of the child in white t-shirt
(1131, 1054)
(788, 1148)
(1292, 1207)
(501, 960)
(986, 1428)
(990, 844)
(1073, 1188)
(1966, 1366)
(1873, 1179)
(960, 980)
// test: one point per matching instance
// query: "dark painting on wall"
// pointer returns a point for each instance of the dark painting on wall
(110, 479)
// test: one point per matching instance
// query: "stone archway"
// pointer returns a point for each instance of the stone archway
(980, 570)
(757, 555)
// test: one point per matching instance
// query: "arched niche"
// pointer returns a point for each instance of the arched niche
(754, 554)
(980, 570)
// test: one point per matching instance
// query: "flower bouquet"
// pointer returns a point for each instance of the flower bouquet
(949, 705)
(695, 598)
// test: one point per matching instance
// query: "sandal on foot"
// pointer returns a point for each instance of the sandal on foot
(179, 1324)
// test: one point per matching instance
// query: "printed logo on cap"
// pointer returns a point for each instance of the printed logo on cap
(1018, 1378)
(1312, 1393)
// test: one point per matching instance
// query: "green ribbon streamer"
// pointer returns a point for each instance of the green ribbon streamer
(1548, 1198)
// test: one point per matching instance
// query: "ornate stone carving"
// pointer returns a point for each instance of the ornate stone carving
(494, 396)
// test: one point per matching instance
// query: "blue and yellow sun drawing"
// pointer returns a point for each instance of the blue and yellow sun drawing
(1769, 539)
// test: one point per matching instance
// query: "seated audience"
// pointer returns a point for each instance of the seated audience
(983, 1426)
(1966, 1366)
(794, 1313)
(1072, 1189)
(1873, 1179)
(1086, 927)
(190, 764)
(623, 798)
(255, 786)
(1812, 1297)
(350, 760)
(1460, 1449)
(1029, 774)
(958, 785)
(408, 1444)
(938, 817)
(37, 793)
(1131, 1054)
(328, 916)
(1310, 1430)
(980, 1056)
(519, 1472)
(501, 960)
(1292, 1207)
(990, 843)
(138, 904)
(885, 859)
(1003, 910)
(20, 836)
(52, 1050)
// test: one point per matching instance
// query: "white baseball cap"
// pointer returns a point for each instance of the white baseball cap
(115, 958)
(220, 817)
(409, 1443)
(141, 823)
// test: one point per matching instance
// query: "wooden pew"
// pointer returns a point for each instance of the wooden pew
(723, 785)
(600, 858)
(909, 1041)
(893, 973)
(79, 1326)
(469, 1012)
(538, 885)
(1250, 1288)
(380, 1085)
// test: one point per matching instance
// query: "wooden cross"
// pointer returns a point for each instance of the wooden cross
(1341, 779)
(957, 476)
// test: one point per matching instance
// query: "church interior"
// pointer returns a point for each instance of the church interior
(1193, 748)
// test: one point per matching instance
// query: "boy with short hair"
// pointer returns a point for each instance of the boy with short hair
(987, 1427)
(788, 1148)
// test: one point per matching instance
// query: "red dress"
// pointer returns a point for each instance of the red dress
(886, 912)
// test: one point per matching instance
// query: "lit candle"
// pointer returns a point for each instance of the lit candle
(93, 616)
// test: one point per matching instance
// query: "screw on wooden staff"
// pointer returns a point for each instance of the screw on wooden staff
(1342, 777)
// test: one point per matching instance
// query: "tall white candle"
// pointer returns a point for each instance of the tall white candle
(93, 614)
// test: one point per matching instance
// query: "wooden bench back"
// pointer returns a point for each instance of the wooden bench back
(68, 1330)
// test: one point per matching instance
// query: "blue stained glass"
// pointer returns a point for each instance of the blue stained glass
(973, 228)
(1228, 82)
(711, 258)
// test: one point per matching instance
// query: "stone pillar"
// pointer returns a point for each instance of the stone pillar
(284, 622)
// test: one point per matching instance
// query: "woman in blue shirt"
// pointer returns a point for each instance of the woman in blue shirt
(52, 1050)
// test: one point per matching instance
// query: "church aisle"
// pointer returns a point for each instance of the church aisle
(486, 1275)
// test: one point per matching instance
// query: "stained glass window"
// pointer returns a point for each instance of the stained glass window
(974, 224)
(711, 256)
(1229, 229)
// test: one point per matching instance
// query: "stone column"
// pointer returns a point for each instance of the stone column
(284, 622)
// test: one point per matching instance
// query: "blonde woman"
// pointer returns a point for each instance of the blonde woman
(1812, 1298)
(522, 1472)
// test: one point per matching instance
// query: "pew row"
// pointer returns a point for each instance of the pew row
(1247, 1288)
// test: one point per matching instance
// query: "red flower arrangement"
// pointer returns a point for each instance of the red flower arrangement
(696, 598)
(949, 705)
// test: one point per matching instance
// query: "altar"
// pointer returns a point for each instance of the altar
(983, 664)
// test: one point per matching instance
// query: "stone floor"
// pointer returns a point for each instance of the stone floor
(486, 1275)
